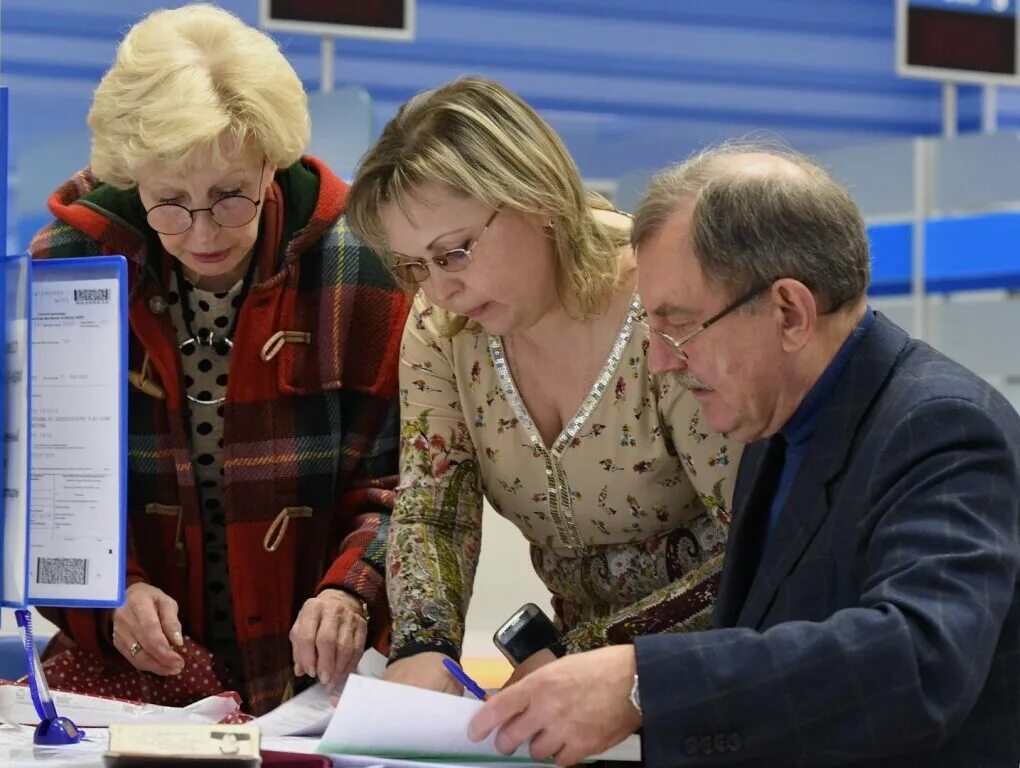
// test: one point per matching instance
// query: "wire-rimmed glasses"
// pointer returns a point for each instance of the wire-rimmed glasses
(231, 211)
(676, 346)
(453, 260)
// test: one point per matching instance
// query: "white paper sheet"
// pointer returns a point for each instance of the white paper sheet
(76, 422)
(91, 711)
(307, 745)
(308, 713)
(370, 761)
(378, 718)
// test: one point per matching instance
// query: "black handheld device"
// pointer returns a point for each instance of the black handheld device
(526, 632)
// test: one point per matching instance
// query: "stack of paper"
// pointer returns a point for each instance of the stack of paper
(380, 719)
(308, 713)
(378, 723)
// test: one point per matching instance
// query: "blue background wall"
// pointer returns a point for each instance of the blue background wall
(632, 84)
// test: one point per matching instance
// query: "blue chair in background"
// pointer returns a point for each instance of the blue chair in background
(341, 128)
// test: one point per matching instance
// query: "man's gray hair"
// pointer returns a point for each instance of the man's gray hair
(759, 213)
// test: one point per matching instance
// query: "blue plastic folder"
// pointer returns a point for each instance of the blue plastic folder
(65, 432)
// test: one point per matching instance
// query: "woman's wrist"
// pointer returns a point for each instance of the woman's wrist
(354, 600)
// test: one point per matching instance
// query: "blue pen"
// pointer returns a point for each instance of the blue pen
(454, 669)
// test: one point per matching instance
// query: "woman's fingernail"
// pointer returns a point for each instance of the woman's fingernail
(323, 677)
(298, 670)
(178, 638)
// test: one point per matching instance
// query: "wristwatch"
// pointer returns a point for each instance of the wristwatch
(635, 695)
(364, 606)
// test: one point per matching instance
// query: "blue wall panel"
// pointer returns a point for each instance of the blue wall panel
(631, 84)
(963, 253)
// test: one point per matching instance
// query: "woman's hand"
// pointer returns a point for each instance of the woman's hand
(328, 637)
(537, 660)
(424, 670)
(144, 628)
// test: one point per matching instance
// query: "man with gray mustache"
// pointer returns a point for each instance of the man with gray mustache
(869, 612)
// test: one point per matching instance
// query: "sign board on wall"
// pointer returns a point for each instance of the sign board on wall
(968, 41)
(378, 19)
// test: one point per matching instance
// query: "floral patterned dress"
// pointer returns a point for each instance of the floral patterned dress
(626, 512)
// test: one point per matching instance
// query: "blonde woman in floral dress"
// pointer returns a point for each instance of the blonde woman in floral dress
(524, 380)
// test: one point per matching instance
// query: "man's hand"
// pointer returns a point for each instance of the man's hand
(570, 709)
(535, 661)
(145, 626)
(424, 670)
(328, 637)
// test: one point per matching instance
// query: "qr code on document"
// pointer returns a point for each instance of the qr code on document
(62, 570)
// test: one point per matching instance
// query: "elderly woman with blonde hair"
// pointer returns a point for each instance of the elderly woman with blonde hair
(524, 380)
(263, 350)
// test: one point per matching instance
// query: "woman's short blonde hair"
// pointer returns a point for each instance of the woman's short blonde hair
(484, 142)
(183, 81)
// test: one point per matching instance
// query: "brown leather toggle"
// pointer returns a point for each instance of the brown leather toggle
(143, 383)
(278, 528)
(275, 343)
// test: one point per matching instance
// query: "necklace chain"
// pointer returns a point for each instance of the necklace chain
(206, 337)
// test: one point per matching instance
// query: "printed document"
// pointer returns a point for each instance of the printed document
(308, 713)
(75, 529)
(379, 718)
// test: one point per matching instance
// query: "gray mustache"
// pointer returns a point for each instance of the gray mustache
(688, 380)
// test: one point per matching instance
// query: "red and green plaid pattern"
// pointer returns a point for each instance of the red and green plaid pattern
(313, 428)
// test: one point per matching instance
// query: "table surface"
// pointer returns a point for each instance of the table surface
(18, 751)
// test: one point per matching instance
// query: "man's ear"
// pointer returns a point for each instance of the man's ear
(798, 311)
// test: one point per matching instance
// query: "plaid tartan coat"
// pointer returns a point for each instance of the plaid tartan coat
(310, 455)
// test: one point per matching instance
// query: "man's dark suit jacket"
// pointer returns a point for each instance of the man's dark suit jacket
(882, 626)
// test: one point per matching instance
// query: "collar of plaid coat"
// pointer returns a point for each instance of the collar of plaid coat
(310, 433)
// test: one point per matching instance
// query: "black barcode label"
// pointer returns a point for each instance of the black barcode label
(91, 295)
(62, 570)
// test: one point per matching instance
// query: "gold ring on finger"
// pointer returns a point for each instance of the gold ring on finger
(135, 649)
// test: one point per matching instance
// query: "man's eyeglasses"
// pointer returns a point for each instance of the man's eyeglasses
(231, 211)
(676, 346)
(453, 260)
